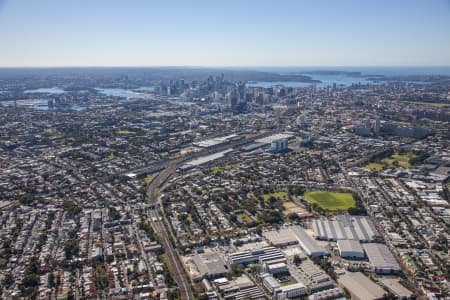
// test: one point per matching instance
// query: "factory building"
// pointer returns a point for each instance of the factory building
(309, 245)
(361, 287)
(350, 249)
(381, 258)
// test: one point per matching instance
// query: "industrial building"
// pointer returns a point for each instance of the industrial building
(396, 288)
(268, 140)
(361, 287)
(350, 249)
(315, 278)
(291, 291)
(282, 237)
(345, 227)
(276, 268)
(264, 255)
(381, 258)
(269, 282)
(239, 288)
(309, 245)
(204, 159)
(333, 293)
(210, 265)
(210, 143)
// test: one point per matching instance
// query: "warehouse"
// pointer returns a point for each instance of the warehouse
(204, 159)
(360, 287)
(396, 288)
(350, 249)
(309, 245)
(268, 140)
(268, 254)
(210, 265)
(211, 143)
(381, 258)
(345, 227)
(281, 238)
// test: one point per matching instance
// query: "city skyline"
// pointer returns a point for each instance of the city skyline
(225, 34)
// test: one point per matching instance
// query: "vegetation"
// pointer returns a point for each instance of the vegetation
(374, 166)
(219, 170)
(398, 159)
(31, 279)
(101, 278)
(280, 195)
(331, 201)
(434, 104)
(148, 179)
(125, 132)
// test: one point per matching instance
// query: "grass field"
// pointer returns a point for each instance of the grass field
(278, 195)
(331, 201)
(148, 179)
(292, 208)
(393, 161)
(125, 132)
(402, 159)
(219, 170)
(374, 166)
(246, 219)
(434, 104)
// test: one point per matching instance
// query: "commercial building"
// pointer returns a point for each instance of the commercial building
(276, 268)
(269, 282)
(314, 277)
(279, 145)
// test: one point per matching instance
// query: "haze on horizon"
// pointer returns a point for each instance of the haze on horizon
(55, 33)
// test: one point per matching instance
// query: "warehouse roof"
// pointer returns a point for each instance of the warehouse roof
(381, 257)
(308, 244)
(349, 246)
(210, 263)
(283, 236)
(361, 286)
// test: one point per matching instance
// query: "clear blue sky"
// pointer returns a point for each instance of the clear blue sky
(224, 33)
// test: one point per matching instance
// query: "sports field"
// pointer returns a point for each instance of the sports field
(331, 201)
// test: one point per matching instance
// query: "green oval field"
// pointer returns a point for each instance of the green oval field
(331, 201)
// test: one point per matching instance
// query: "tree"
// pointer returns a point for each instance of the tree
(8, 280)
(51, 280)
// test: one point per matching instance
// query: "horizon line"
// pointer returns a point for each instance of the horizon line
(228, 67)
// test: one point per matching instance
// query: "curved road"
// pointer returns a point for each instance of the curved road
(177, 270)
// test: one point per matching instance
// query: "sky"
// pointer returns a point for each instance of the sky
(47, 33)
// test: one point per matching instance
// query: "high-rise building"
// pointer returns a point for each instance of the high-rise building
(377, 126)
(279, 145)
